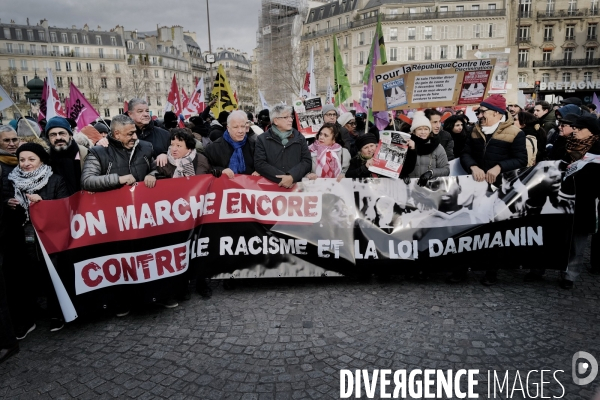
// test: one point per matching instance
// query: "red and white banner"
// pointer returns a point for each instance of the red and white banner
(53, 105)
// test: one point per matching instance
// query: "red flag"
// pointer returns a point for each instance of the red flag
(125, 106)
(174, 98)
(184, 98)
(81, 110)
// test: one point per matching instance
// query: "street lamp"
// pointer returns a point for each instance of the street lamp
(210, 58)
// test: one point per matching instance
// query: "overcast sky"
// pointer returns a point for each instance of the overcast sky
(233, 23)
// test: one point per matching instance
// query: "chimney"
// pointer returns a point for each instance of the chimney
(86, 27)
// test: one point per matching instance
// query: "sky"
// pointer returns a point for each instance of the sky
(233, 23)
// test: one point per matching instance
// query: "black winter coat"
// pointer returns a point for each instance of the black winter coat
(158, 137)
(459, 142)
(447, 143)
(216, 132)
(505, 147)
(272, 158)
(219, 153)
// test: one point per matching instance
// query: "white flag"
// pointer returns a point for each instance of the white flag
(330, 99)
(195, 104)
(54, 107)
(5, 100)
(308, 88)
(263, 102)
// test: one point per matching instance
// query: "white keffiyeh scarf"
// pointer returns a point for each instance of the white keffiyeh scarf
(29, 183)
(184, 166)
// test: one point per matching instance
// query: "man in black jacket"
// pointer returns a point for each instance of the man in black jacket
(435, 118)
(160, 139)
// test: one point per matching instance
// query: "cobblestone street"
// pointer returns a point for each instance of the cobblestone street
(288, 339)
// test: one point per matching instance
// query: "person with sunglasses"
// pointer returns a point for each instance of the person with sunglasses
(347, 127)
(494, 146)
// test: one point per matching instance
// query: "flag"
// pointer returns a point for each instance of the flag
(341, 83)
(125, 106)
(174, 98)
(42, 112)
(382, 54)
(195, 104)
(359, 108)
(342, 109)
(263, 102)
(223, 93)
(184, 98)
(53, 106)
(81, 110)
(67, 106)
(308, 89)
(235, 97)
(596, 103)
(329, 99)
(381, 118)
(5, 100)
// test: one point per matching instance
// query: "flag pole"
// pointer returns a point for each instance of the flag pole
(21, 114)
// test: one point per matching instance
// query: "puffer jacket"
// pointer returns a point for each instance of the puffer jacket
(447, 143)
(505, 147)
(104, 165)
(436, 161)
(158, 137)
(272, 158)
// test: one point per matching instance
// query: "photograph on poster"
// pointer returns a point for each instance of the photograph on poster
(395, 93)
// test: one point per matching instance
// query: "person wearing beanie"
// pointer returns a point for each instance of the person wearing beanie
(146, 130)
(435, 117)
(495, 145)
(347, 126)
(31, 181)
(102, 128)
(360, 163)
(170, 120)
(328, 113)
(66, 155)
(430, 159)
(30, 132)
(218, 126)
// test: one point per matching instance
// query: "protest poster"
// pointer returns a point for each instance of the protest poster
(309, 117)
(144, 243)
(390, 153)
(430, 85)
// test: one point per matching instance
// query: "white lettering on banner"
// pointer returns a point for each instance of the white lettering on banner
(261, 245)
(271, 206)
(581, 85)
(131, 268)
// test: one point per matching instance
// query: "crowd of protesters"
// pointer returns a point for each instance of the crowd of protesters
(53, 160)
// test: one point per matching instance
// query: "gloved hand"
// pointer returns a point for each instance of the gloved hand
(216, 173)
(406, 180)
(423, 179)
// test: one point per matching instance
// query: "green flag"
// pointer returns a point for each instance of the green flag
(342, 84)
(382, 53)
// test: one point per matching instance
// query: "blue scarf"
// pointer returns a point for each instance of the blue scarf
(236, 163)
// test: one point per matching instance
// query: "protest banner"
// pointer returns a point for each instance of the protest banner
(143, 241)
(430, 85)
(309, 116)
(390, 153)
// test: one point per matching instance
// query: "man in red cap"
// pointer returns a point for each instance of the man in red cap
(494, 146)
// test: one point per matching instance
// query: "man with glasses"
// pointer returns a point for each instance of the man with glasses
(494, 146)
(66, 156)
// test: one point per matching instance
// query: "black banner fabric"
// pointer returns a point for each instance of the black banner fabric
(146, 243)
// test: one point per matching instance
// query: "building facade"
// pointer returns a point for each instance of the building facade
(414, 31)
(558, 46)
(238, 68)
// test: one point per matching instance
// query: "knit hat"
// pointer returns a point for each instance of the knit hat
(58, 122)
(13, 124)
(329, 107)
(568, 109)
(35, 148)
(495, 102)
(419, 119)
(363, 140)
(588, 121)
(345, 118)
(26, 128)
(572, 100)
(101, 127)
(570, 119)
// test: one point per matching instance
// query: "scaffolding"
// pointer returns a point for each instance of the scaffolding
(278, 49)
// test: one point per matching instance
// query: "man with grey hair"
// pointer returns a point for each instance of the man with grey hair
(125, 161)
(281, 154)
(139, 112)
(9, 142)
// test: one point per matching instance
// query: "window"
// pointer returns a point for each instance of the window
(99, 40)
(57, 65)
(23, 65)
(68, 66)
(594, 7)
(77, 51)
(393, 11)
(570, 32)
(460, 32)
(361, 38)
(134, 73)
(21, 48)
(548, 29)
(592, 32)
(427, 53)
(102, 67)
(546, 56)
(460, 9)
(156, 73)
(59, 82)
(566, 77)
(393, 33)
(113, 41)
(525, 8)
(491, 6)
(11, 63)
(587, 77)
(66, 51)
(491, 30)
(522, 78)
(443, 9)
(393, 54)
(524, 34)
(361, 57)
(443, 52)
(589, 53)
(9, 48)
(474, 47)
(88, 67)
(476, 30)
(145, 73)
(546, 77)
(30, 36)
(523, 58)
(568, 56)
(78, 66)
(412, 33)
(460, 51)
(53, 37)
(6, 33)
(41, 35)
(157, 87)
(101, 52)
(118, 68)
(103, 83)
(106, 113)
(44, 50)
(80, 81)
(412, 10)
(428, 32)
(64, 37)
(90, 82)
(19, 33)
(572, 9)
(84, 39)
(117, 82)
(141, 45)
(32, 48)
(411, 53)
(444, 32)
(69, 80)
(549, 8)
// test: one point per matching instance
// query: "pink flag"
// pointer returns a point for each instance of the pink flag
(42, 112)
(596, 103)
(81, 110)
(359, 108)
(342, 108)
(67, 106)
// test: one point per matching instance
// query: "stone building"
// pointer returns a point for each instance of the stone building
(238, 69)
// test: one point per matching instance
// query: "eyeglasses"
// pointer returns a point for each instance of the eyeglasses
(56, 134)
(351, 123)
(11, 140)
(288, 117)
(564, 124)
(480, 111)
(331, 115)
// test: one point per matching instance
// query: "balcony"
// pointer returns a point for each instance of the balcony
(570, 37)
(411, 58)
(548, 38)
(573, 62)
(393, 38)
(523, 39)
(523, 64)
(326, 31)
(55, 54)
(560, 14)
(428, 37)
(592, 37)
(413, 37)
(525, 14)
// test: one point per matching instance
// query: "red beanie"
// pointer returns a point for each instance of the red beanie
(495, 102)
